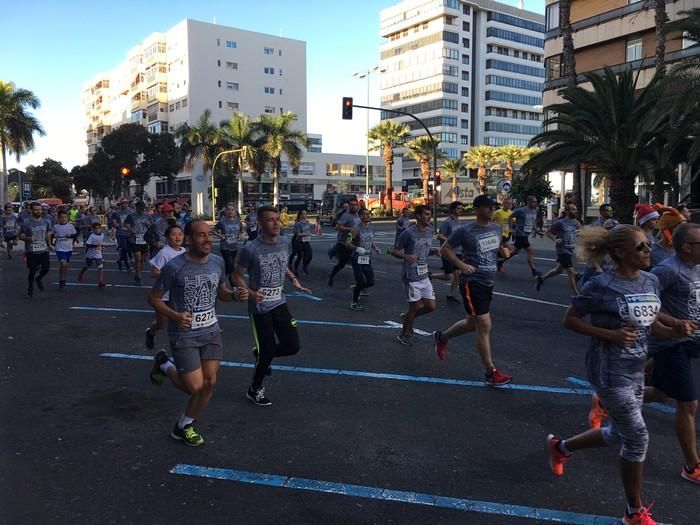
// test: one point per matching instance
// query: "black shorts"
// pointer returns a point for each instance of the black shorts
(476, 297)
(447, 266)
(566, 260)
(142, 248)
(673, 371)
(505, 239)
(522, 243)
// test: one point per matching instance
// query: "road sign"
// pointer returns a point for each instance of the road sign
(26, 190)
(505, 186)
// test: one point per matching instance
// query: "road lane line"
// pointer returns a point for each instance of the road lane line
(521, 298)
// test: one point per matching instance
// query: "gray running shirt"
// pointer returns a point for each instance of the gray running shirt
(366, 236)
(415, 242)
(9, 224)
(266, 264)
(613, 302)
(480, 245)
(119, 216)
(63, 234)
(139, 223)
(525, 219)
(36, 229)
(349, 220)
(448, 227)
(302, 229)
(565, 229)
(193, 288)
(231, 230)
(659, 253)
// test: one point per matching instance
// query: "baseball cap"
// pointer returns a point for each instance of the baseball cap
(484, 200)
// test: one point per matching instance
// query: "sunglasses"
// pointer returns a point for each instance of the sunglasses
(641, 245)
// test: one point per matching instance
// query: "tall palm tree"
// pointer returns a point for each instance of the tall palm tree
(422, 149)
(689, 24)
(660, 21)
(513, 155)
(451, 168)
(386, 136)
(481, 158)
(17, 126)
(198, 143)
(608, 127)
(276, 137)
(238, 133)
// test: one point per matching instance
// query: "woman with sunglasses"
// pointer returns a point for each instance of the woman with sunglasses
(624, 308)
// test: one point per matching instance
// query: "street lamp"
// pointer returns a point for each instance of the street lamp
(213, 189)
(363, 74)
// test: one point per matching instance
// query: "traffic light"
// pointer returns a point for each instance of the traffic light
(125, 172)
(347, 108)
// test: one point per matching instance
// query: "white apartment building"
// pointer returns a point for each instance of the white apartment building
(471, 70)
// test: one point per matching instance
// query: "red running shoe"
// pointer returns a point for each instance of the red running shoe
(643, 517)
(440, 347)
(497, 378)
(556, 458)
(597, 414)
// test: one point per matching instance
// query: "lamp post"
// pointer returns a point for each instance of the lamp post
(366, 74)
(213, 188)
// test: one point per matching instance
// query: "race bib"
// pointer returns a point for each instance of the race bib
(306, 238)
(364, 259)
(231, 239)
(271, 294)
(488, 243)
(140, 239)
(642, 308)
(38, 246)
(253, 228)
(421, 269)
(203, 319)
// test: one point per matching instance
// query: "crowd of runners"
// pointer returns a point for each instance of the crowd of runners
(637, 299)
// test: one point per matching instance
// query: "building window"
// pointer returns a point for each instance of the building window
(218, 63)
(280, 91)
(464, 139)
(465, 42)
(269, 109)
(515, 68)
(232, 65)
(466, 9)
(464, 123)
(218, 41)
(232, 105)
(552, 16)
(465, 91)
(464, 108)
(233, 86)
(634, 49)
(450, 71)
(687, 41)
(269, 70)
(465, 60)
(465, 75)
(220, 105)
(552, 66)
(514, 83)
(465, 26)
(449, 36)
(219, 83)
(269, 50)
(269, 90)
(514, 21)
(172, 107)
(231, 44)
(513, 98)
(184, 102)
(497, 32)
(448, 52)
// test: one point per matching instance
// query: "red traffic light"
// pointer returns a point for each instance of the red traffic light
(347, 108)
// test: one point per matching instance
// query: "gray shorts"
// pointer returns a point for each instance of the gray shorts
(189, 352)
(627, 428)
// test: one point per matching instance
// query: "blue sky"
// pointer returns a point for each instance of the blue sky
(53, 47)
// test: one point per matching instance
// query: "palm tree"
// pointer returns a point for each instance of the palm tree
(422, 150)
(452, 167)
(17, 126)
(481, 158)
(276, 137)
(511, 155)
(238, 133)
(608, 127)
(690, 25)
(660, 21)
(198, 143)
(386, 135)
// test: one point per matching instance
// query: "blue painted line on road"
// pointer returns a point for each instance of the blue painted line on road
(400, 496)
(145, 288)
(656, 406)
(302, 294)
(381, 375)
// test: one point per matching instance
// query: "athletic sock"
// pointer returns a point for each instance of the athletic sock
(164, 367)
(184, 421)
(561, 446)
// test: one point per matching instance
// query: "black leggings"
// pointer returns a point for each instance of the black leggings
(34, 261)
(229, 257)
(343, 253)
(277, 322)
(364, 278)
(302, 253)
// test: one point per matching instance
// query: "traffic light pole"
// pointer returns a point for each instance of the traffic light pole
(430, 135)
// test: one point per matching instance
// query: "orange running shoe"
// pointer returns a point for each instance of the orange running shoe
(643, 517)
(597, 414)
(691, 475)
(556, 458)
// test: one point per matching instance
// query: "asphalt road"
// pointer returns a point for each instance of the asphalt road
(361, 430)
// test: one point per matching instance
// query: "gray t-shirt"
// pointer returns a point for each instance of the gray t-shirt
(193, 288)
(302, 229)
(415, 242)
(525, 219)
(266, 264)
(679, 284)
(231, 230)
(9, 224)
(118, 217)
(448, 227)
(480, 245)
(139, 224)
(349, 220)
(565, 229)
(36, 230)
(365, 236)
(613, 302)
(659, 253)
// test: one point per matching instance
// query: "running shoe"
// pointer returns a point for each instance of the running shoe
(101, 284)
(150, 339)
(538, 282)
(411, 331)
(364, 293)
(257, 397)
(81, 277)
(357, 306)
(404, 339)
(188, 434)
(39, 285)
(597, 414)
(440, 347)
(556, 457)
(643, 517)
(691, 475)
(497, 378)
(157, 375)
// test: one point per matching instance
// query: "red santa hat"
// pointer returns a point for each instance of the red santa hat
(645, 213)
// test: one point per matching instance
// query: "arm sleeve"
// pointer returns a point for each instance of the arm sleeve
(588, 300)
(445, 228)
(166, 278)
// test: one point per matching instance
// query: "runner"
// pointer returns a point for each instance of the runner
(596, 263)
(138, 223)
(502, 218)
(93, 254)
(414, 247)
(623, 305)
(523, 222)
(86, 220)
(194, 279)
(301, 244)
(64, 237)
(446, 229)
(228, 230)
(606, 215)
(118, 221)
(274, 328)
(174, 235)
(10, 225)
(251, 221)
(346, 223)
(647, 218)
(662, 247)
(403, 222)
(363, 240)
(36, 234)
(480, 242)
(155, 237)
(563, 233)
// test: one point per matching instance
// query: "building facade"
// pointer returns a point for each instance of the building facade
(472, 71)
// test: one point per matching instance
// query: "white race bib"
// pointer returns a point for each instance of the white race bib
(643, 308)
(203, 319)
(421, 269)
(254, 228)
(271, 294)
(306, 238)
(363, 259)
(488, 243)
(38, 246)
(140, 239)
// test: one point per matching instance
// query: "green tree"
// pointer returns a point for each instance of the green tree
(422, 149)
(452, 168)
(689, 25)
(607, 127)
(50, 179)
(238, 133)
(386, 136)
(530, 183)
(481, 158)
(99, 177)
(198, 143)
(126, 148)
(17, 126)
(160, 159)
(513, 155)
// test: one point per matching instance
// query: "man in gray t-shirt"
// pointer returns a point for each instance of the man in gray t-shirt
(347, 222)
(523, 221)
(194, 281)
(265, 261)
(35, 232)
(563, 232)
(138, 223)
(446, 229)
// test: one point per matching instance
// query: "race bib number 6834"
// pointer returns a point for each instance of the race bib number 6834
(643, 308)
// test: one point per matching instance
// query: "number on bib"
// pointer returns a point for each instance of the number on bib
(203, 319)
(306, 238)
(271, 294)
(38, 246)
(643, 308)
(363, 259)
(140, 239)
(488, 243)
(421, 269)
